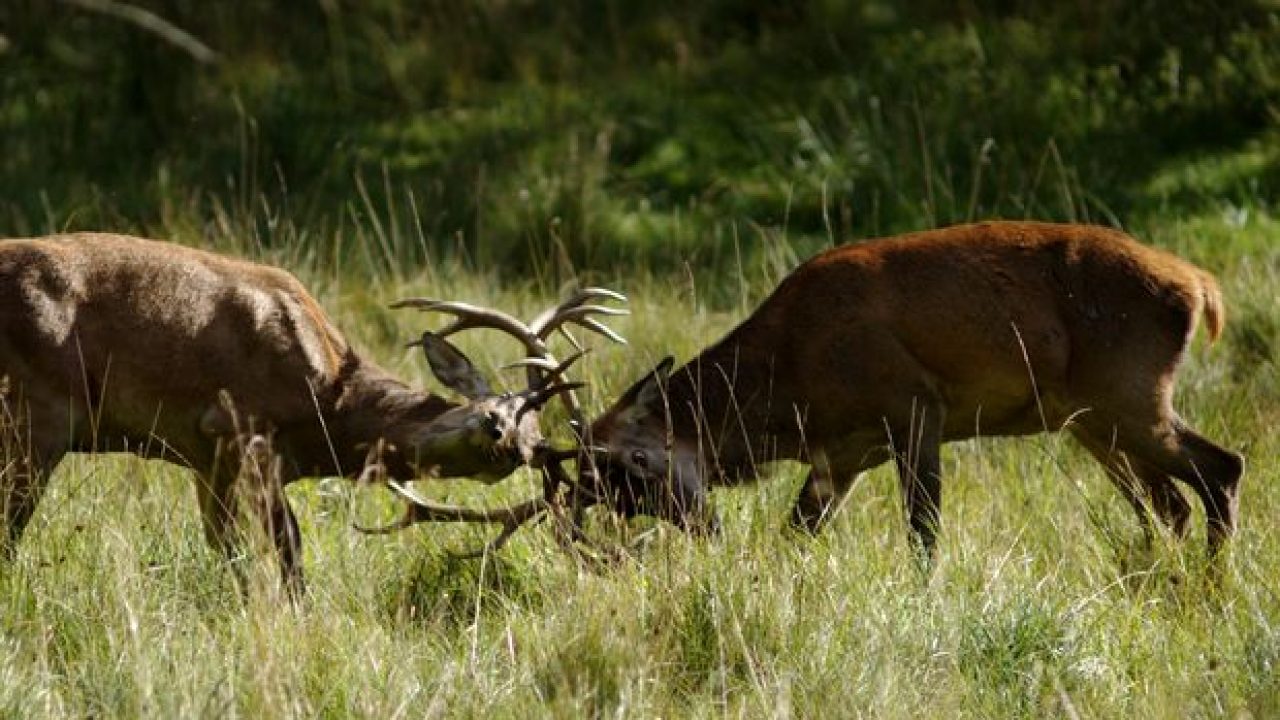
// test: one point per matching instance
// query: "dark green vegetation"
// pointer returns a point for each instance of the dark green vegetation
(689, 155)
(605, 132)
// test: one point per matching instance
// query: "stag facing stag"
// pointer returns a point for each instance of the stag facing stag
(230, 368)
(885, 350)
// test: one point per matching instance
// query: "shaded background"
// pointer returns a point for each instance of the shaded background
(605, 133)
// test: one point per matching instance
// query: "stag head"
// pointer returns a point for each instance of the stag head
(503, 426)
(638, 466)
(489, 435)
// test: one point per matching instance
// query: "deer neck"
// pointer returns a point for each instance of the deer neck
(725, 403)
(374, 405)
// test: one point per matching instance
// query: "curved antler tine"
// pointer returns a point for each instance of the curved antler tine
(574, 309)
(532, 362)
(420, 510)
(470, 316)
(548, 364)
(564, 332)
(421, 303)
(577, 311)
(558, 371)
(592, 293)
(427, 511)
(582, 316)
(601, 328)
(539, 396)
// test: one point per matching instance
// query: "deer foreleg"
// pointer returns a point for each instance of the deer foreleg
(263, 471)
(917, 449)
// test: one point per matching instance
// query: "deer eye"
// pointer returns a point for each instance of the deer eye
(492, 425)
(639, 459)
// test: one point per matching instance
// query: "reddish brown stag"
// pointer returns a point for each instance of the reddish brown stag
(888, 349)
(115, 343)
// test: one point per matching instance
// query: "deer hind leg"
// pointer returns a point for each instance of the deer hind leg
(916, 442)
(829, 481)
(1137, 409)
(1211, 470)
(31, 448)
(1168, 446)
(1148, 490)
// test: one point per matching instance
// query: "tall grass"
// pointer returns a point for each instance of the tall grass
(1044, 601)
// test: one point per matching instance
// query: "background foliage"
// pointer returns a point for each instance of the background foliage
(608, 131)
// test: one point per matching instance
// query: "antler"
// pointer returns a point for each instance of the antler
(573, 309)
(544, 376)
(512, 517)
(418, 509)
(576, 310)
(473, 316)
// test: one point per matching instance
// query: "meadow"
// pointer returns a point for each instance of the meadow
(1045, 600)
(688, 155)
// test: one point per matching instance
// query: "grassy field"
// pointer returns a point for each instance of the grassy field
(1044, 601)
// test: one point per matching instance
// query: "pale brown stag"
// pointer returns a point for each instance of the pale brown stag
(115, 343)
(887, 349)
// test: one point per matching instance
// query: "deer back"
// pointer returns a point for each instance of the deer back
(141, 336)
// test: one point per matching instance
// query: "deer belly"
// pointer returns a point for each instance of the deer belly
(1022, 407)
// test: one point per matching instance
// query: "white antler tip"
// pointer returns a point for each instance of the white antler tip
(604, 293)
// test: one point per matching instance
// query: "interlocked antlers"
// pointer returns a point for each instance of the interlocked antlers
(545, 381)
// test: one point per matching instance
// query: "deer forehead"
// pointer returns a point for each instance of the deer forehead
(624, 433)
(500, 408)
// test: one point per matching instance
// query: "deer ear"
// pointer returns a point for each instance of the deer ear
(648, 395)
(453, 368)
